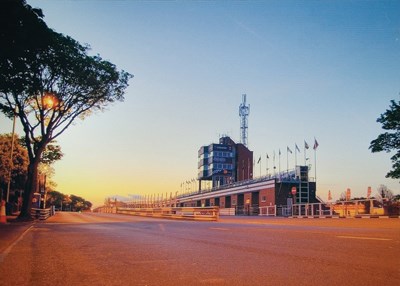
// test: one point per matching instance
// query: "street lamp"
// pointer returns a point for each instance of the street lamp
(49, 100)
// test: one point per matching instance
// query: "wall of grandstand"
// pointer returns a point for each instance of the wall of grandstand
(248, 193)
(248, 196)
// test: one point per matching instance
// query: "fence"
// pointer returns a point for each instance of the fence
(314, 209)
(353, 208)
(268, 211)
(196, 213)
(227, 211)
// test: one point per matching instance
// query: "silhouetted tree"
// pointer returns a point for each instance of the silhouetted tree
(384, 193)
(390, 141)
(48, 81)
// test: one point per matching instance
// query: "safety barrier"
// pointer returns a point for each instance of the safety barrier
(186, 213)
(227, 211)
(268, 211)
(312, 210)
(42, 214)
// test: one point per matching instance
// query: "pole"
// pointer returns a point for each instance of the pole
(315, 165)
(315, 159)
(287, 160)
(45, 192)
(279, 162)
(274, 165)
(11, 156)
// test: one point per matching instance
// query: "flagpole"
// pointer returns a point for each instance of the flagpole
(305, 152)
(254, 168)
(315, 159)
(279, 161)
(266, 160)
(295, 155)
(287, 160)
(315, 164)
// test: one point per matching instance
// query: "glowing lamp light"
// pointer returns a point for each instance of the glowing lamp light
(49, 100)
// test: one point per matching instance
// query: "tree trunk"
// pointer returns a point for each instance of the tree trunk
(30, 189)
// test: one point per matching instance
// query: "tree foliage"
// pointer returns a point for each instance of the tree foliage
(48, 80)
(389, 141)
(67, 202)
(18, 166)
(384, 193)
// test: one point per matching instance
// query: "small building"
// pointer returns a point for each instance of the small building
(224, 163)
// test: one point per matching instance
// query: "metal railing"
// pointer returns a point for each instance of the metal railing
(312, 209)
(227, 211)
(268, 211)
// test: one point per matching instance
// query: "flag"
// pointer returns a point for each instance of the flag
(297, 148)
(306, 145)
(315, 144)
(288, 149)
(267, 156)
(279, 152)
(259, 160)
(369, 193)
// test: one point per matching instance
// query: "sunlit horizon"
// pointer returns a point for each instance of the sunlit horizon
(311, 70)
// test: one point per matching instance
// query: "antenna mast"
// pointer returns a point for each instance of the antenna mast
(244, 111)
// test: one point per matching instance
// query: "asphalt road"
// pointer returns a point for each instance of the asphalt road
(104, 249)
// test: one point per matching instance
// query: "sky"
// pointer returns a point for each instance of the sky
(321, 70)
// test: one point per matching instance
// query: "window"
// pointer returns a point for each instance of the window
(264, 199)
(227, 166)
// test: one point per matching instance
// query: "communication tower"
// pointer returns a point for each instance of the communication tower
(244, 111)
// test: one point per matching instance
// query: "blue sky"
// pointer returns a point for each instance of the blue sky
(323, 69)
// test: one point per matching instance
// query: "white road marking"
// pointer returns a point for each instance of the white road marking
(364, 238)
(219, 228)
(8, 250)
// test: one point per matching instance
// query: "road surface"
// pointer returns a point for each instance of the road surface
(109, 249)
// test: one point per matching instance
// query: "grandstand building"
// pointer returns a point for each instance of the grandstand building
(229, 166)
